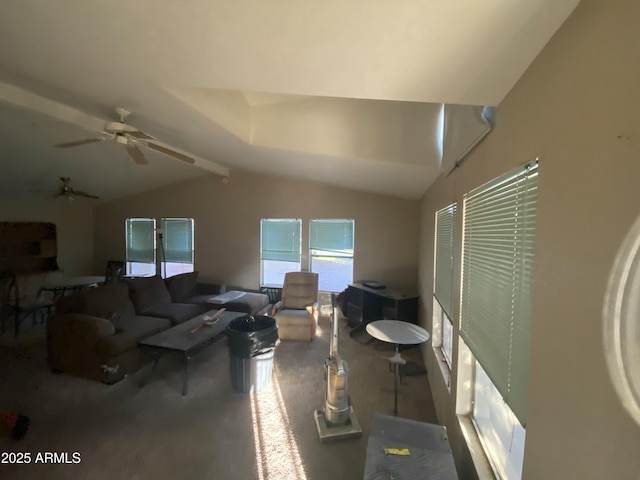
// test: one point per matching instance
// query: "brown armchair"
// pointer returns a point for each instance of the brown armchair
(297, 312)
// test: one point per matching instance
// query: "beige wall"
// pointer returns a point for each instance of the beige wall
(227, 224)
(577, 108)
(367, 129)
(74, 225)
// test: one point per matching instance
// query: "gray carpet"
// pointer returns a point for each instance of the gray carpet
(127, 432)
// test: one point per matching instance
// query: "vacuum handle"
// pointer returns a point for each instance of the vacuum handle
(333, 344)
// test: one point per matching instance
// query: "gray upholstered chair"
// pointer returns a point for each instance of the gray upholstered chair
(297, 312)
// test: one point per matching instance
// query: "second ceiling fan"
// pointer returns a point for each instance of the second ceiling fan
(130, 137)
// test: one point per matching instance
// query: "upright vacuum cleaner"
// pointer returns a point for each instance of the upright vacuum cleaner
(337, 419)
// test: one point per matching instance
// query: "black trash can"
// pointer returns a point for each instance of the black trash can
(252, 342)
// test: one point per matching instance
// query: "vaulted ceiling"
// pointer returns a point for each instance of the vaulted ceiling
(346, 93)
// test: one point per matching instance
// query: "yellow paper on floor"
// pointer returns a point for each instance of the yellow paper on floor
(397, 451)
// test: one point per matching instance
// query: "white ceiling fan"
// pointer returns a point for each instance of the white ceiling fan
(69, 192)
(130, 137)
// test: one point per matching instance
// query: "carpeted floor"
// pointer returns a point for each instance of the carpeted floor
(127, 432)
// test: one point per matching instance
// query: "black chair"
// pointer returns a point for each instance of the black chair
(115, 271)
(16, 308)
(274, 294)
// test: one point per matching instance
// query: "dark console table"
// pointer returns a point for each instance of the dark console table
(365, 305)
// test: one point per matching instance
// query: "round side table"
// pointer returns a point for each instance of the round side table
(398, 333)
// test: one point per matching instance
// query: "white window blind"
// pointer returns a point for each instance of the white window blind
(331, 247)
(442, 285)
(280, 249)
(140, 240)
(497, 269)
(331, 237)
(280, 239)
(178, 240)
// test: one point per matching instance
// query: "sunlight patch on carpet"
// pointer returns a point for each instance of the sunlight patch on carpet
(277, 455)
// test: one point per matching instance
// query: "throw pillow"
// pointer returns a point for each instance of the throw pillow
(182, 286)
(108, 301)
(146, 292)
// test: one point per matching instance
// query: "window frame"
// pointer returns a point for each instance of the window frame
(442, 324)
(488, 463)
(492, 428)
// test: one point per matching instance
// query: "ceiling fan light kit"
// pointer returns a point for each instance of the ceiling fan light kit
(119, 127)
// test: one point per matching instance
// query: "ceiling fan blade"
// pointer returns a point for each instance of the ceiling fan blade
(140, 135)
(80, 193)
(77, 143)
(171, 153)
(137, 155)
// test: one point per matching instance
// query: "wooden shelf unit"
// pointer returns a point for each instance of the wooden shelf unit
(28, 247)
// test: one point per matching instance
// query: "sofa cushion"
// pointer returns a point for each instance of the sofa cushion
(147, 292)
(177, 312)
(252, 303)
(201, 300)
(110, 302)
(182, 286)
(296, 325)
(138, 327)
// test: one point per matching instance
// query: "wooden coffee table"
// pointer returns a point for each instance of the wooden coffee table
(179, 340)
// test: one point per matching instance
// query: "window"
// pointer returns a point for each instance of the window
(498, 428)
(447, 338)
(177, 246)
(176, 249)
(280, 249)
(495, 312)
(331, 253)
(140, 246)
(442, 282)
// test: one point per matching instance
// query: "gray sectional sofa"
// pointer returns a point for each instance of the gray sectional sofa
(95, 333)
